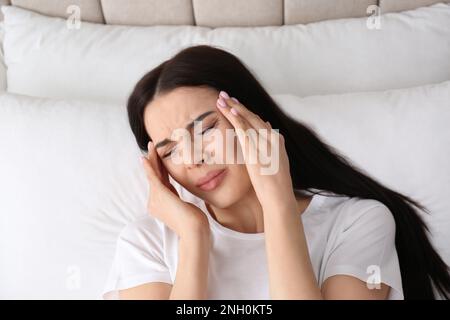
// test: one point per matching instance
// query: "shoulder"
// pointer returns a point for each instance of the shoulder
(142, 231)
(350, 213)
(369, 213)
(139, 257)
(361, 242)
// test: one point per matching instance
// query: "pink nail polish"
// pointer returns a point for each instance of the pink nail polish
(221, 103)
(224, 95)
(235, 100)
(234, 111)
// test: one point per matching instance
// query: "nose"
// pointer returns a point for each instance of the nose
(200, 154)
(196, 163)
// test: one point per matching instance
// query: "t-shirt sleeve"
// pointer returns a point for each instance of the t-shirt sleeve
(364, 247)
(138, 259)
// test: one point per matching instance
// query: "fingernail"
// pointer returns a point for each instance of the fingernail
(234, 111)
(221, 103)
(235, 100)
(224, 95)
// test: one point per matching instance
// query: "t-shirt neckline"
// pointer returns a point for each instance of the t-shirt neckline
(316, 201)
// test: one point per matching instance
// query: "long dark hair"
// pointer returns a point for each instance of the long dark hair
(313, 163)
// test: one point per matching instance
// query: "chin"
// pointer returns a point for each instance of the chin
(223, 198)
(222, 203)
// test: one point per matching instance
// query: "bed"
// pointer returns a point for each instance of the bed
(371, 77)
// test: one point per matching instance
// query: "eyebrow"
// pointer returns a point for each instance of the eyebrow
(188, 127)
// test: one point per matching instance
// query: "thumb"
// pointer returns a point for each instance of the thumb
(149, 171)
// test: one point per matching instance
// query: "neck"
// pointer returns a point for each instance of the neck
(246, 215)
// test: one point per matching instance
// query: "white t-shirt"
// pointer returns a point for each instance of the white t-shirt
(347, 236)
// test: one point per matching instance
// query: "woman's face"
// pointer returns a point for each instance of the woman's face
(170, 115)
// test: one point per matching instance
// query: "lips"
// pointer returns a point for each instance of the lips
(211, 180)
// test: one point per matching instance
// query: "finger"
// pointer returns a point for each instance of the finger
(153, 159)
(252, 118)
(166, 179)
(159, 169)
(238, 122)
(149, 171)
(247, 135)
(151, 166)
(254, 121)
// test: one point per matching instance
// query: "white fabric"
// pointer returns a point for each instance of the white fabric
(71, 177)
(70, 180)
(400, 137)
(2, 60)
(103, 62)
(345, 237)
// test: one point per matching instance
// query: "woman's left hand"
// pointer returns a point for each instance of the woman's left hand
(261, 145)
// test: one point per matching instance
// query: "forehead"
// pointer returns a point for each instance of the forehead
(176, 109)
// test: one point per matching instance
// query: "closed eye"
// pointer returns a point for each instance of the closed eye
(168, 154)
(210, 127)
(203, 132)
(207, 129)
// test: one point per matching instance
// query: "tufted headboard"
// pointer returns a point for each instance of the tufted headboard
(215, 13)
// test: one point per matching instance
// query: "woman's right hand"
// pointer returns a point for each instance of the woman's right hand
(164, 203)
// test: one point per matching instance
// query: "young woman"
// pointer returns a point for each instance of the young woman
(314, 228)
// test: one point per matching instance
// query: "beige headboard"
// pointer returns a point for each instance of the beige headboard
(215, 13)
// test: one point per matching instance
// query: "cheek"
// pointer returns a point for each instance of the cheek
(239, 184)
(176, 171)
(223, 145)
(239, 181)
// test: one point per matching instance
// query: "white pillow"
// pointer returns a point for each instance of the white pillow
(103, 62)
(71, 176)
(70, 179)
(400, 137)
(2, 60)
